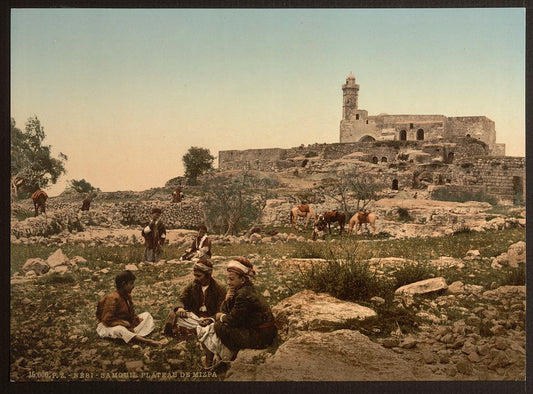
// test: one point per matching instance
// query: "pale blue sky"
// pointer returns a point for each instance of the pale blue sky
(124, 93)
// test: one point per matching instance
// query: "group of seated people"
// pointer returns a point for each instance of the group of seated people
(223, 321)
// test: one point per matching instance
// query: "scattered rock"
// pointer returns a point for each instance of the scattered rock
(308, 310)
(57, 258)
(424, 286)
(37, 265)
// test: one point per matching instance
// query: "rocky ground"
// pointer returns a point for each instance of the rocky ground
(467, 332)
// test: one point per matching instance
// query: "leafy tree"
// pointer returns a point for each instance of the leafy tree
(82, 186)
(197, 161)
(32, 166)
(231, 204)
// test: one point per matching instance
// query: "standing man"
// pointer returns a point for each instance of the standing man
(154, 236)
(200, 247)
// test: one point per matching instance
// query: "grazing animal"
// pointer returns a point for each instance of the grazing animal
(319, 229)
(302, 211)
(39, 201)
(335, 216)
(361, 218)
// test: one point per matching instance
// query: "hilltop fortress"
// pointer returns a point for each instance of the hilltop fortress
(357, 126)
(404, 151)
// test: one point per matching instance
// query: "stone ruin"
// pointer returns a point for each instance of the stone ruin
(403, 152)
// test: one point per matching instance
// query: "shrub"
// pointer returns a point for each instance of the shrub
(350, 280)
(403, 215)
(56, 278)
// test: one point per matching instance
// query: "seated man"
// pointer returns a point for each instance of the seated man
(200, 247)
(198, 302)
(116, 315)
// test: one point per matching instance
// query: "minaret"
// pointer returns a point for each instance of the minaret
(350, 95)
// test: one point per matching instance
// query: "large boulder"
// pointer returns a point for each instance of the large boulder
(37, 265)
(308, 311)
(342, 355)
(423, 286)
(517, 254)
(57, 258)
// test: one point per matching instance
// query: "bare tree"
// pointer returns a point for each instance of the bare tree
(235, 203)
(352, 189)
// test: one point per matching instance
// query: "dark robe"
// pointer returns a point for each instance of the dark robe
(156, 236)
(192, 298)
(248, 323)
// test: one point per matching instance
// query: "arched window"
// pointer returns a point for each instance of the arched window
(395, 184)
(403, 135)
(356, 116)
(375, 160)
(384, 159)
(420, 134)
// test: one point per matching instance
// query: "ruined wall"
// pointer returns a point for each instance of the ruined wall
(503, 177)
(478, 127)
(250, 159)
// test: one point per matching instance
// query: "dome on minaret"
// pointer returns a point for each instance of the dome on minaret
(351, 76)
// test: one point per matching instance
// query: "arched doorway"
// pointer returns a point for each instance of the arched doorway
(420, 135)
(367, 138)
(518, 190)
(395, 184)
(383, 159)
(375, 160)
(450, 157)
(403, 135)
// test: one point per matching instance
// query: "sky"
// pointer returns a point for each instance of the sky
(124, 93)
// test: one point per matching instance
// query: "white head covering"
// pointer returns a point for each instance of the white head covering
(241, 269)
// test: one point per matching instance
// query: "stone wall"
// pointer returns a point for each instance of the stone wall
(502, 177)
(478, 127)
(62, 215)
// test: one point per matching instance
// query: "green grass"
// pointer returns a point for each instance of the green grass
(53, 318)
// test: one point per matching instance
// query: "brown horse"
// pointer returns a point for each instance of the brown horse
(39, 201)
(335, 216)
(361, 218)
(304, 211)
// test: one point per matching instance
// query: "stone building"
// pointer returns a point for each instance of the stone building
(404, 151)
(356, 125)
